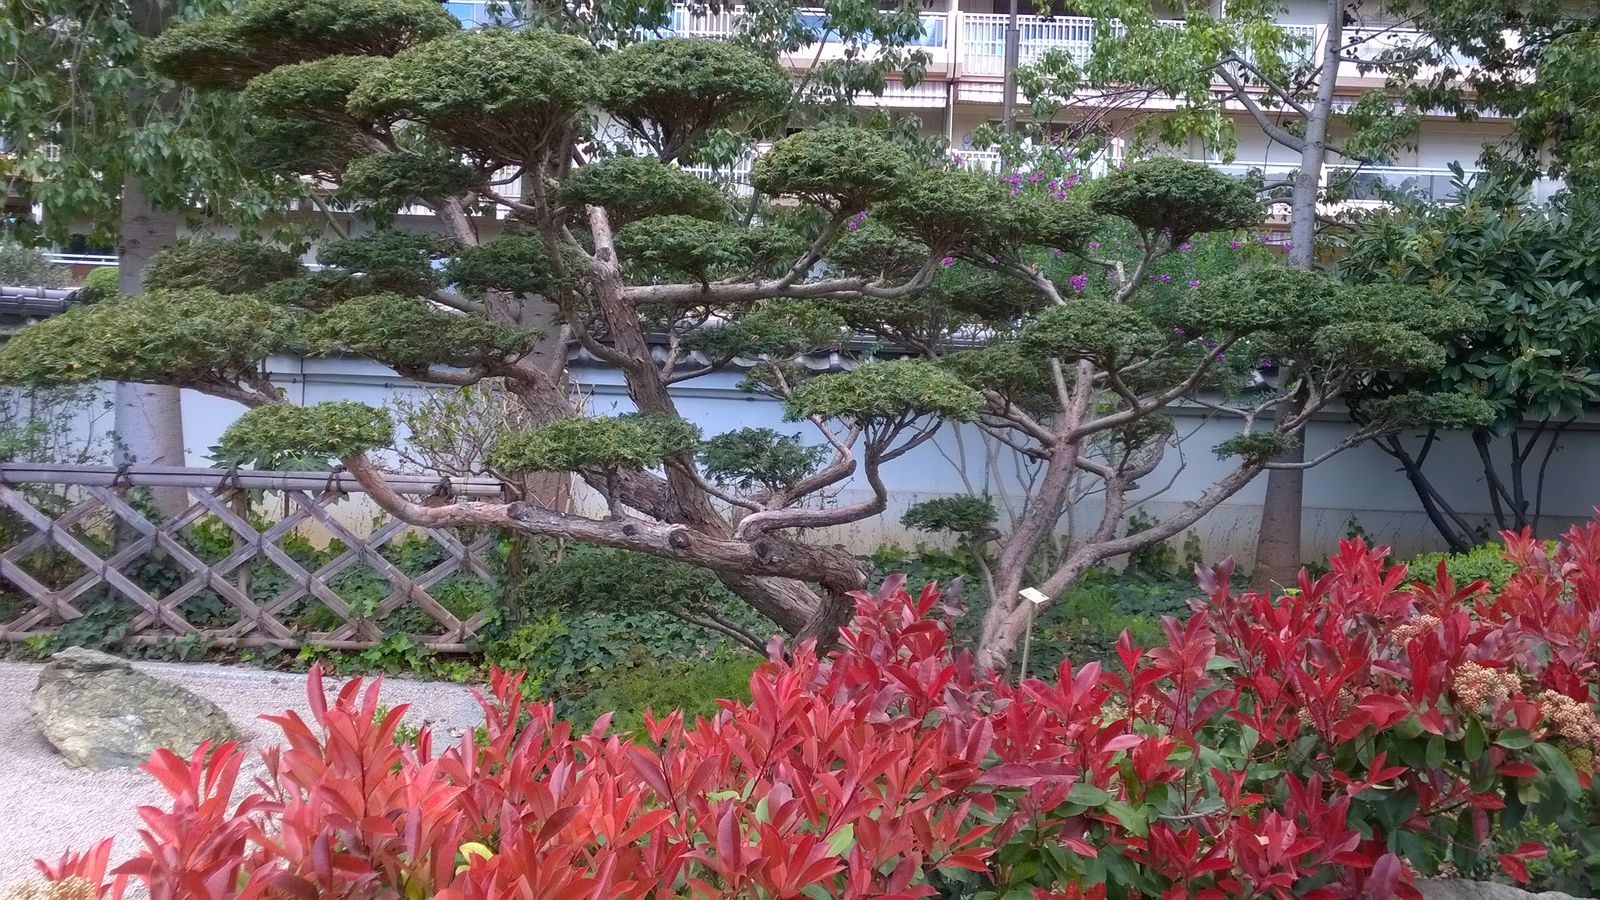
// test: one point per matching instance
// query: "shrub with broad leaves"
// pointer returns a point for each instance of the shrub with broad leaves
(1342, 740)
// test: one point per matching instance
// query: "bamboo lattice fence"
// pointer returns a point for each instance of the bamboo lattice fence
(79, 535)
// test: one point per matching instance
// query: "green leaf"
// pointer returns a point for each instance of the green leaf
(1087, 795)
(840, 842)
(1131, 818)
(1560, 768)
(1514, 739)
(1474, 740)
(1434, 754)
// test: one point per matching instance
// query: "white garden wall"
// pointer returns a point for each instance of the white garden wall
(1361, 485)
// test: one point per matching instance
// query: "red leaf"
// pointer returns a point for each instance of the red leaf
(1384, 877)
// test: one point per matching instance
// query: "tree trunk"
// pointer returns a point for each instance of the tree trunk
(1282, 509)
(148, 419)
(1278, 550)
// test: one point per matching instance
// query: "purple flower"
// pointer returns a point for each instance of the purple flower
(1178, 331)
(1185, 247)
(1194, 282)
(1221, 357)
(1079, 282)
(1165, 278)
(959, 159)
(1210, 344)
(1094, 245)
(1267, 362)
(1055, 254)
(1288, 245)
(857, 219)
(1264, 239)
(948, 261)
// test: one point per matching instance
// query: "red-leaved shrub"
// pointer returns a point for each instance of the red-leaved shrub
(1338, 741)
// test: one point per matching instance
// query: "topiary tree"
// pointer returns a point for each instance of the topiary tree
(1241, 68)
(1531, 272)
(851, 233)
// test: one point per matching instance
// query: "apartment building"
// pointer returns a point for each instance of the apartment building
(964, 88)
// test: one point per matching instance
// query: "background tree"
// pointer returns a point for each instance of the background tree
(655, 273)
(1533, 273)
(1535, 63)
(106, 146)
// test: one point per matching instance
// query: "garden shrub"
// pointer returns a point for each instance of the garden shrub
(1342, 740)
(1486, 561)
(25, 266)
(693, 687)
(1082, 624)
(102, 283)
(595, 629)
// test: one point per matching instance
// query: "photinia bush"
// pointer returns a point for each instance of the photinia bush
(1341, 740)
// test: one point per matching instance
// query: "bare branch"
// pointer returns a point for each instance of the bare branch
(1273, 130)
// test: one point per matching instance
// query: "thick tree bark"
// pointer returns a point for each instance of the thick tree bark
(148, 419)
(1278, 549)
(789, 603)
(1282, 511)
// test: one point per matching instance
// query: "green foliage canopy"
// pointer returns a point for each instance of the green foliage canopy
(505, 95)
(338, 429)
(748, 458)
(672, 92)
(886, 390)
(581, 443)
(637, 187)
(221, 265)
(966, 514)
(412, 334)
(839, 168)
(183, 337)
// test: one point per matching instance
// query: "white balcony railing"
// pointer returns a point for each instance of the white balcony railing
(977, 41)
(80, 259)
(983, 40)
(734, 178)
(688, 21)
(1375, 184)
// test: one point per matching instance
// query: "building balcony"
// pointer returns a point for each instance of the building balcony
(972, 46)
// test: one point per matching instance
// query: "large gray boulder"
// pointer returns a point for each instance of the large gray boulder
(102, 713)
(1454, 889)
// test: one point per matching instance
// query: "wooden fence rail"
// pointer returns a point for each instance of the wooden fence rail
(75, 535)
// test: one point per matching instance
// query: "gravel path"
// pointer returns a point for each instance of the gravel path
(49, 808)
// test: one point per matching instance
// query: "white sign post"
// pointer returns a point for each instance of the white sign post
(1036, 598)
